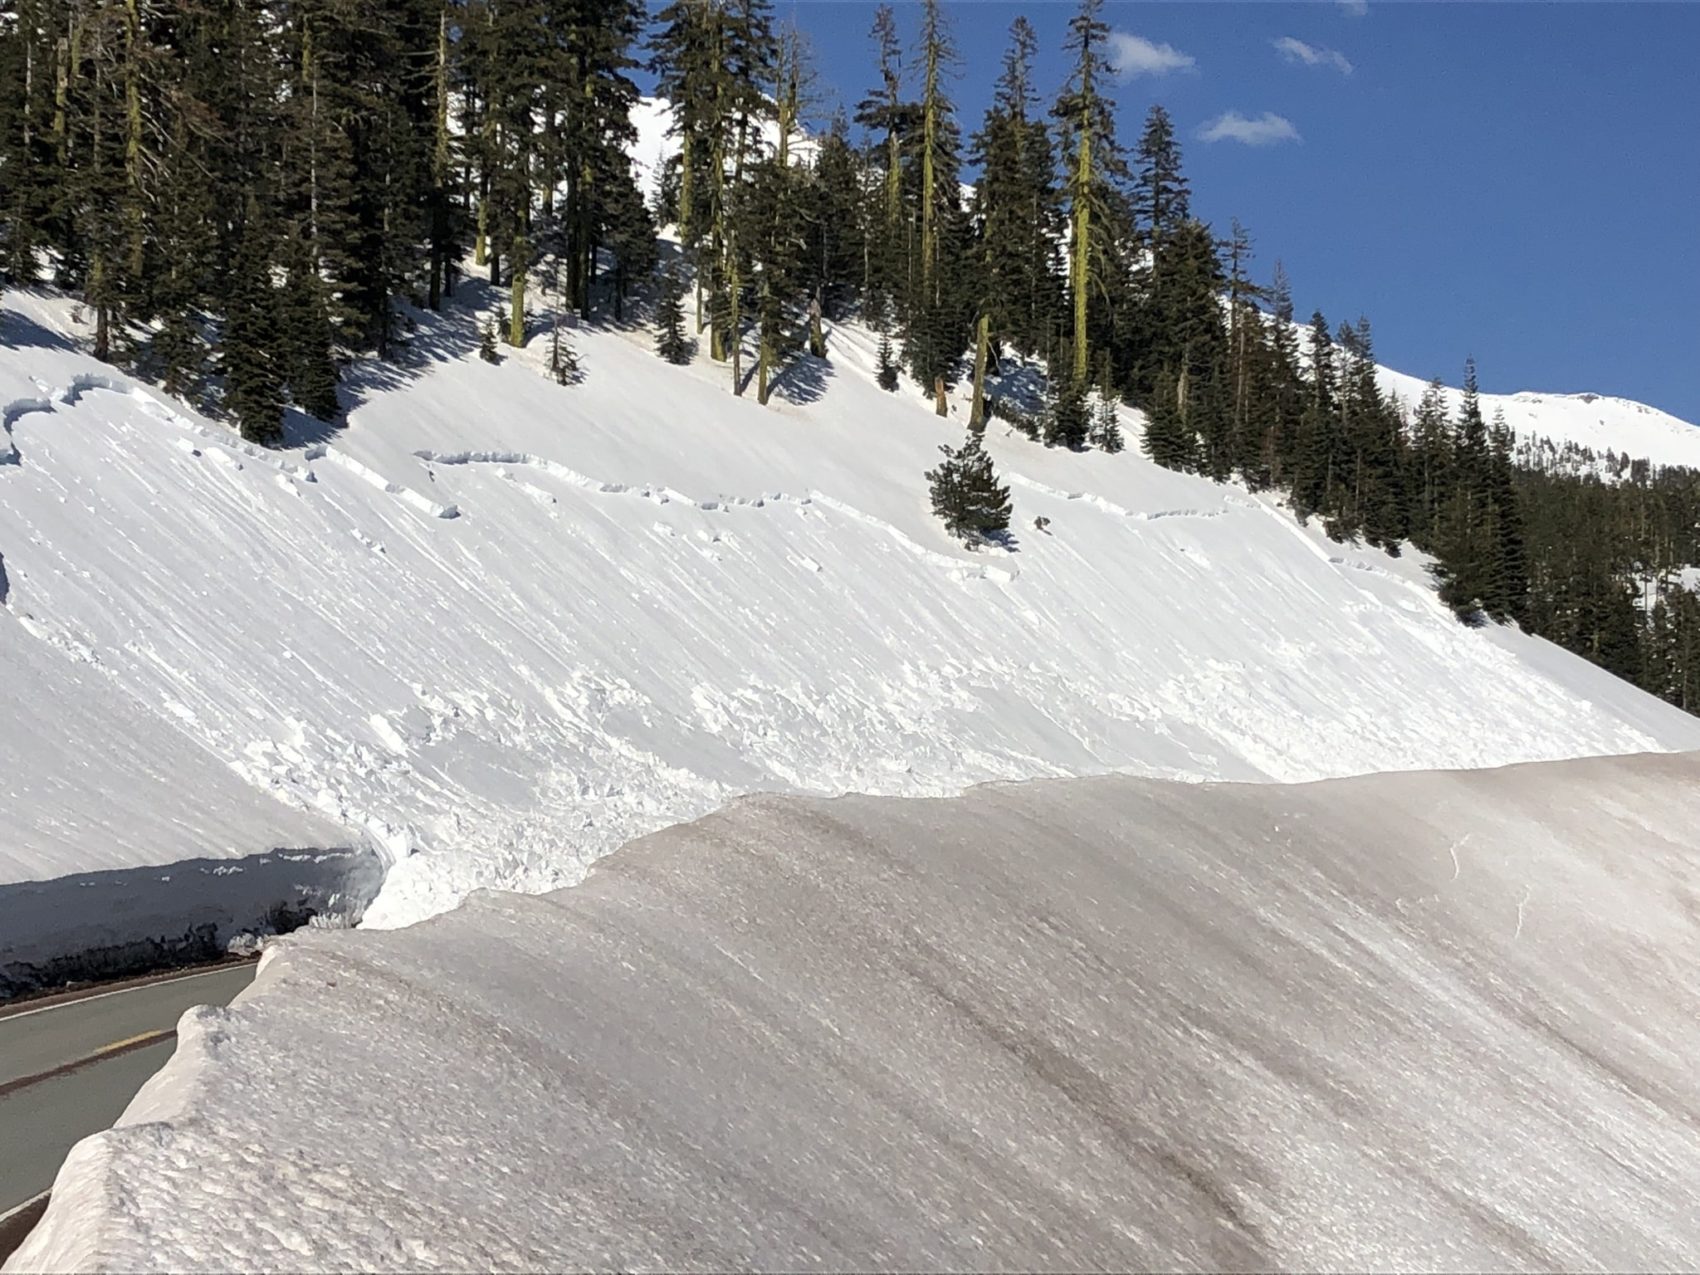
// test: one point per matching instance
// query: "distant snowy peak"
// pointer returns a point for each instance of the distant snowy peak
(1596, 421)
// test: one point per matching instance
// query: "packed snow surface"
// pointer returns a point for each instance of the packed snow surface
(496, 627)
(1423, 1021)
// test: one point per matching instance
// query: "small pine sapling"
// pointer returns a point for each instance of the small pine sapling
(670, 340)
(563, 360)
(487, 344)
(966, 493)
(888, 373)
(1106, 427)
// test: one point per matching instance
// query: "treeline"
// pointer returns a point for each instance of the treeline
(1612, 544)
(242, 190)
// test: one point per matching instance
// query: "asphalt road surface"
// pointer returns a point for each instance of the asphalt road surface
(69, 1067)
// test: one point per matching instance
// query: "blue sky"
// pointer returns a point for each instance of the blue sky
(1516, 181)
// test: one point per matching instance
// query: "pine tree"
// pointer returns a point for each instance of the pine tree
(563, 359)
(1016, 207)
(31, 175)
(682, 59)
(309, 364)
(671, 342)
(888, 369)
(1373, 493)
(834, 230)
(1176, 277)
(1284, 387)
(1168, 441)
(938, 305)
(1068, 416)
(442, 213)
(1317, 446)
(253, 381)
(1245, 336)
(1507, 588)
(773, 208)
(1466, 544)
(487, 348)
(1430, 463)
(1087, 120)
(884, 113)
(1106, 424)
(966, 493)
(184, 240)
(1162, 195)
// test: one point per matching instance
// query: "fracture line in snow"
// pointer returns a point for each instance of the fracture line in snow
(369, 475)
(10, 415)
(16, 410)
(81, 385)
(1453, 851)
(663, 495)
(1120, 511)
(962, 570)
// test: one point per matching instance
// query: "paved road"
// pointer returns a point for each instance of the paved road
(69, 1068)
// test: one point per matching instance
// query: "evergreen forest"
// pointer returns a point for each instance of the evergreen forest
(247, 196)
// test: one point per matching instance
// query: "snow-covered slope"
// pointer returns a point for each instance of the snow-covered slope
(1396, 1022)
(509, 625)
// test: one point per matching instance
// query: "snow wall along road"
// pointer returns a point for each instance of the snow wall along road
(1433, 1020)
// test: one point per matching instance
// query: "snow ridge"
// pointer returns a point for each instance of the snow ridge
(1105, 1023)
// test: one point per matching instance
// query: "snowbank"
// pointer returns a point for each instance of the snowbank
(497, 627)
(1417, 1021)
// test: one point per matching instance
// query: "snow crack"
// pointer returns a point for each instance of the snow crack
(1121, 511)
(371, 476)
(662, 495)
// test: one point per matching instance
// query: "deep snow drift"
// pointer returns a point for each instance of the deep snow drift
(1415, 1021)
(509, 625)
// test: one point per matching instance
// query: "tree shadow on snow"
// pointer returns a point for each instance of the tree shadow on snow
(302, 430)
(5, 584)
(804, 381)
(20, 332)
(425, 338)
(1021, 385)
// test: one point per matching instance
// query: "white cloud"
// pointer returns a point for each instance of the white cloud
(1311, 55)
(1354, 8)
(1267, 129)
(1133, 55)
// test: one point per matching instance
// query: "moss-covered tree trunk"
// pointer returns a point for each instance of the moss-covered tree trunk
(982, 350)
(1080, 256)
